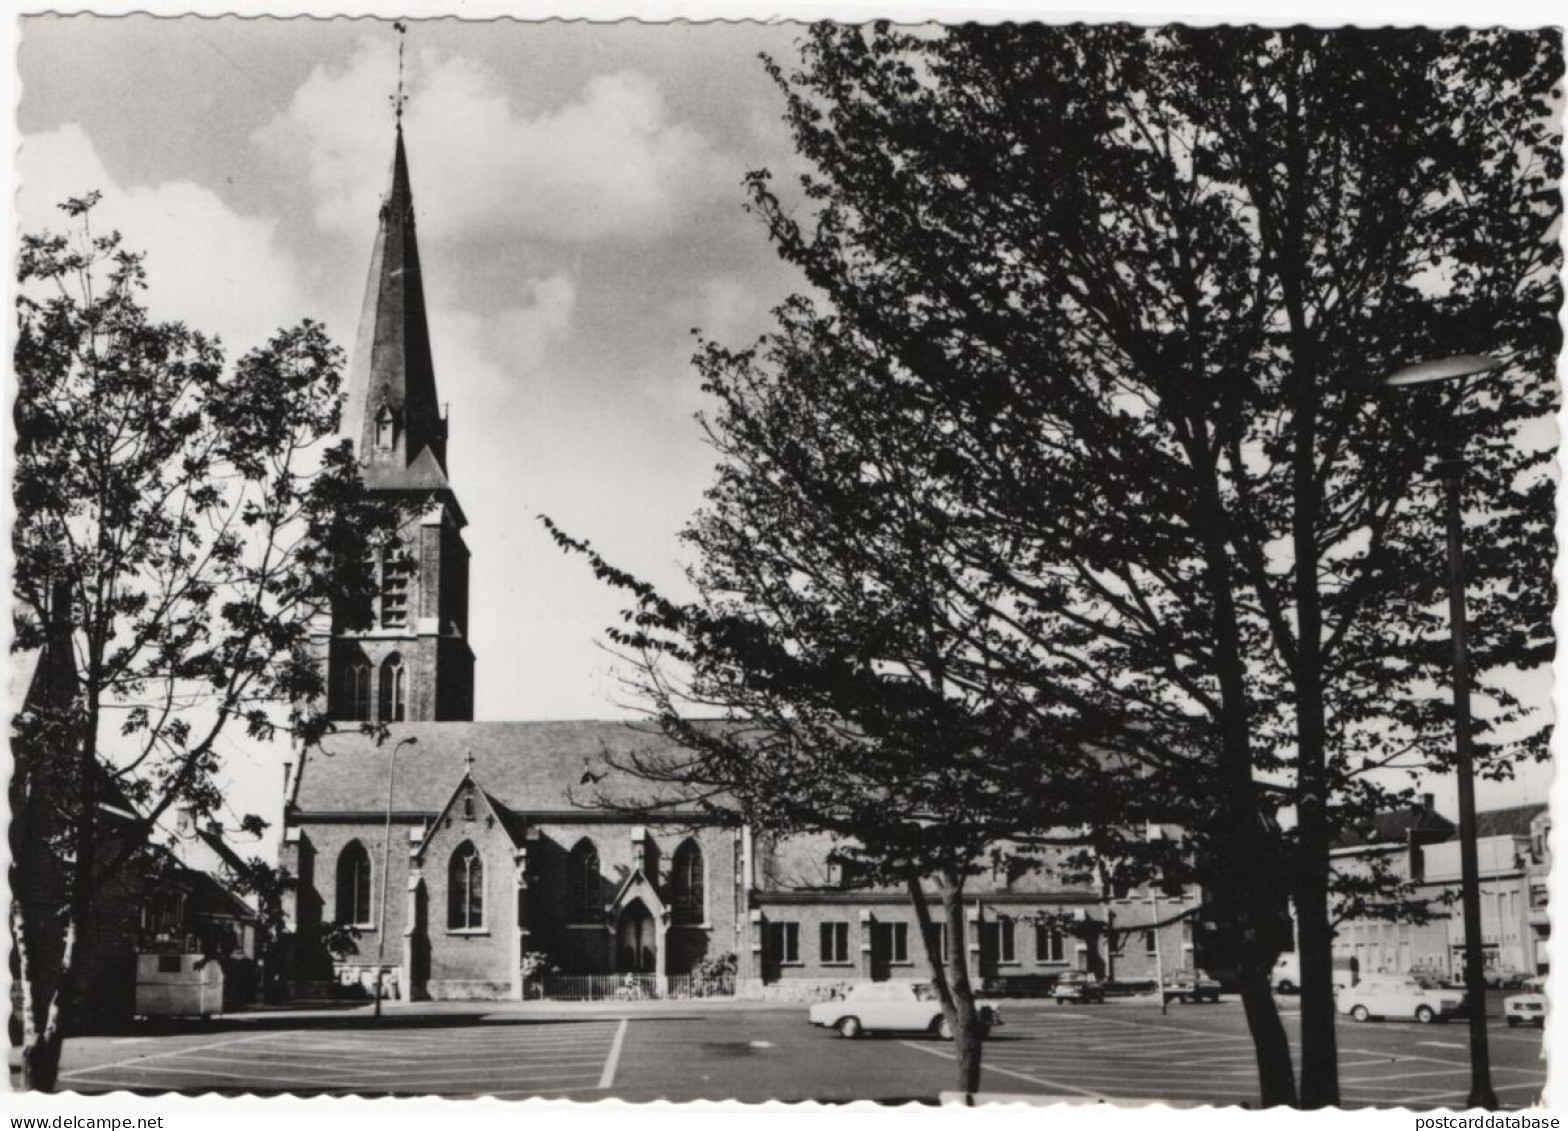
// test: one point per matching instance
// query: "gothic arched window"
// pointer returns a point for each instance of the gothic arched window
(582, 883)
(465, 890)
(354, 695)
(394, 689)
(354, 885)
(688, 894)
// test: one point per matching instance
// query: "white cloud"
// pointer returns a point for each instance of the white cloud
(208, 266)
(610, 162)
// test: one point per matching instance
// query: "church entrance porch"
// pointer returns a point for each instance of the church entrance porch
(637, 949)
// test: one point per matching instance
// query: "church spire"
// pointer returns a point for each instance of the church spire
(392, 414)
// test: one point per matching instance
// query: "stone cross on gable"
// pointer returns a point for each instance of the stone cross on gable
(468, 761)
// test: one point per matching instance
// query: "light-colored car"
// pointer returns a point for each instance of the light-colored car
(1076, 985)
(1504, 977)
(1286, 978)
(1528, 1008)
(893, 1007)
(1191, 985)
(1398, 996)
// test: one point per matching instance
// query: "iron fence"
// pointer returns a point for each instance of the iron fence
(625, 987)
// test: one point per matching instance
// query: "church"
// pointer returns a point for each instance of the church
(461, 854)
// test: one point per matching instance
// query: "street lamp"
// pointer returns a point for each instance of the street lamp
(1451, 469)
(386, 864)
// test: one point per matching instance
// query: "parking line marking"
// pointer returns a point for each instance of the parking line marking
(159, 1055)
(608, 1077)
(1009, 1072)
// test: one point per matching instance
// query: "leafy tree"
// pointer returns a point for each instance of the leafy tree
(839, 633)
(1133, 290)
(183, 523)
(1147, 281)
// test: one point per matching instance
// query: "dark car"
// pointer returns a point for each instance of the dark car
(1075, 985)
(1191, 985)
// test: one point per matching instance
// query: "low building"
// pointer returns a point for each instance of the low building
(1503, 847)
(1538, 874)
(198, 905)
(1420, 849)
(812, 927)
(44, 796)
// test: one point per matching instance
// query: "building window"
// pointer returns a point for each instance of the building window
(687, 890)
(465, 888)
(386, 429)
(784, 943)
(1151, 943)
(354, 693)
(835, 942)
(394, 689)
(1049, 945)
(1007, 950)
(354, 885)
(893, 941)
(582, 883)
(468, 806)
(937, 942)
(397, 572)
(163, 917)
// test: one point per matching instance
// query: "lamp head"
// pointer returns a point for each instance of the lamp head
(1444, 369)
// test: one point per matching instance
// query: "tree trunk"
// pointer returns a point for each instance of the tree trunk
(1276, 1074)
(1319, 1041)
(42, 1047)
(952, 980)
(1247, 879)
(1319, 1046)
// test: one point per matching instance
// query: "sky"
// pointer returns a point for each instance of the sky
(580, 203)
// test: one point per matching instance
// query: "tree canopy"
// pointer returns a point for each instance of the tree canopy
(1089, 396)
(180, 524)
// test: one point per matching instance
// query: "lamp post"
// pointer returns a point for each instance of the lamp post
(1451, 469)
(386, 864)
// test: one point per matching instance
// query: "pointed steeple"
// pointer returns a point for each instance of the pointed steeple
(392, 413)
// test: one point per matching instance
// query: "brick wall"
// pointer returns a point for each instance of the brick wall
(459, 957)
(587, 948)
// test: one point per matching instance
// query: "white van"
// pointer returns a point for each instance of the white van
(1287, 973)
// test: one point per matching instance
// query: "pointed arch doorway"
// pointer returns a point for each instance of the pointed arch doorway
(636, 940)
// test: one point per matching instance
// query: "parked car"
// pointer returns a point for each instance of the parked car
(893, 1007)
(1504, 977)
(1020, 985)
(1432, 977)
(1076, 985)
(1528, 1008)
(1191, 985)
(1397, 996)
(1286, 978)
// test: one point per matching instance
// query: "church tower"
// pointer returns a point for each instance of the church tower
(414, 662)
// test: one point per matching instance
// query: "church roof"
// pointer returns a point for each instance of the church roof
(531, 767)
(391, 369)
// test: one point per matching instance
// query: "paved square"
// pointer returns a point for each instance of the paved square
(515, 1058)
(1199, 1054)
(1121, 1052)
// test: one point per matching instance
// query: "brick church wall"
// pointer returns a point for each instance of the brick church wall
(587, 948)
(318, 897)
(470, 964)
